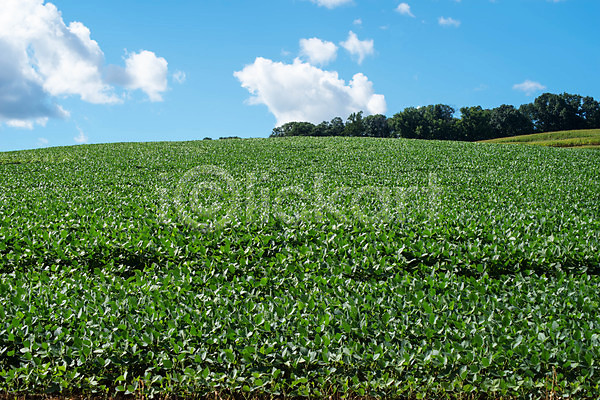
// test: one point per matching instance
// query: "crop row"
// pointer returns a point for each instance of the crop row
(185, 331)
(300, 266)
(468, 209)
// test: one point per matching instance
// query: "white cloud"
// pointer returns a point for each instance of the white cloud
(42, 142)
(529, 87)
(303, 92)
(357, 21)
(44, 59)
(23, 100)
(81, 138)
(144, 71)
(331, 3)
(448, 22)
(404, 9)
(26, 124)
(356, 47)
(179, 77)
(62, 59)
(317, 51)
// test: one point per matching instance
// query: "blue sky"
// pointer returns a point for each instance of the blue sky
(110, 71)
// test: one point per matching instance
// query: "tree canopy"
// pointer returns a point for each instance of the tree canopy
(548, 112)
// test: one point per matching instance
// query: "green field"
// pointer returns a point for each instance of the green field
(580, 138)
(344, 267)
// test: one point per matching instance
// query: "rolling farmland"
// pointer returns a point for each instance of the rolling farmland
(589, 138)
(301, 267)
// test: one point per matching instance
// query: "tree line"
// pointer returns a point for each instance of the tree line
(548, 112)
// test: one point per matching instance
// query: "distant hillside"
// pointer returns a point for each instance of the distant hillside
(587, 138)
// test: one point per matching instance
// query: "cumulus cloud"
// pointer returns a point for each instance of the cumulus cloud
(404, 9)
(303, 92)
(44, 59)
(359, 48)
(144, 71)
(23, 100)
(317, 51)
(529, 87)
(451, 22)
(331, 3)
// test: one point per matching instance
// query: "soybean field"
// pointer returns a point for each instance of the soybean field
(301, 267)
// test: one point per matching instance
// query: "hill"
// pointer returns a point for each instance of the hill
(294, 267)
(580, 138)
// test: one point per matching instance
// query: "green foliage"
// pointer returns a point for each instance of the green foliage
(355, 125)
(295, 129)
(552, 112)
(430, 122)
(300, 267)
(508, 121)
(549, 112)
(475, 123)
